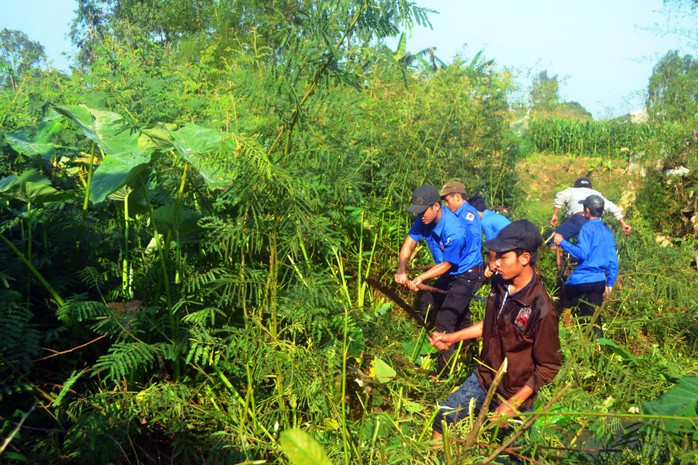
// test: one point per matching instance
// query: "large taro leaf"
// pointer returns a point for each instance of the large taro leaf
(160, 135)
(7, 182)
(681, 401)
(201, 147)
(170, 219)
(116, 171)
(302, 449)
(39, 143)
(31, 188)
(127, 153)
(106, 129)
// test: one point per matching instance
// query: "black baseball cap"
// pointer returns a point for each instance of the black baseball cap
(422, 198)
(582, 182)
(520, 234)
(593, 202)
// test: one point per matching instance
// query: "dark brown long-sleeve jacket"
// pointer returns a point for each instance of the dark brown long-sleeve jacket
(523, 328)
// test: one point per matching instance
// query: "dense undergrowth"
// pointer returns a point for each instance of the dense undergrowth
(261, 323)
(186, 241)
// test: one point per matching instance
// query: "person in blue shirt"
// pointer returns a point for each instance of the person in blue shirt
(491, 222)
(453, 197)
(455, 270)
(596, 273)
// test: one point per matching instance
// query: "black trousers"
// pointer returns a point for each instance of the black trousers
(584, 299)
(450, 312)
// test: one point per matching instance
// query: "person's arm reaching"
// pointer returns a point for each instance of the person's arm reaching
(443, 341)
(580, 251)
(433, 272)
(554, 220)
(405, 254)
(507, 408)
(625, 226)
(560, 200)
(613, 209)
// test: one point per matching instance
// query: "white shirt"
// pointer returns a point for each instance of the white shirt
(571, 196)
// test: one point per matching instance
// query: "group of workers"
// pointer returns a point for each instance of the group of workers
(521, 320)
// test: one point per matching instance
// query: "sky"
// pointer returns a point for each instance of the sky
(602, 51)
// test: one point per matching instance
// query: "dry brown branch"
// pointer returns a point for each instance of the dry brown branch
(56, 354)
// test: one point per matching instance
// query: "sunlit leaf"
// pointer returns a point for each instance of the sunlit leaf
(126, 153)
(199, 146)
(114, 173)
(108, 130)
(382, 371)
(39, 143)
(32, 187)
(302, 449)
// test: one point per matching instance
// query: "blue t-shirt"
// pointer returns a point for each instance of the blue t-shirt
(468, 216)
(492, 223)
(446, 240)
(596, 252)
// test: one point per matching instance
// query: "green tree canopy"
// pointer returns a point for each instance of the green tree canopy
(673, 88)
(545, 100)
(18, 56)
(545, 92)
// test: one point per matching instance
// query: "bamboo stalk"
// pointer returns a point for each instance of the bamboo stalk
(14, 432)
(34, 271)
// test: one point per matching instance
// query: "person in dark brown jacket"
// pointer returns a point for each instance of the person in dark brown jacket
(521, 325)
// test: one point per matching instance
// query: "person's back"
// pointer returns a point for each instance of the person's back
(471, 223)
(594, 250)
(597, 269)
(570, 197)
(490, 221)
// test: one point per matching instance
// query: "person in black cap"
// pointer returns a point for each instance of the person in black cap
(445, 235)
(571, 198)
(597, 270)
(521, 325)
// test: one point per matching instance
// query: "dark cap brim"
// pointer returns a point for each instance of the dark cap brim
(498, 245)
(417, 209)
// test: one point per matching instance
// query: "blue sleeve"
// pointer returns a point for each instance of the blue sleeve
(417, 230)
(612, 274)
(580, 251)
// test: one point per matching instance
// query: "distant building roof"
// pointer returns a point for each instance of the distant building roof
(636, 116)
